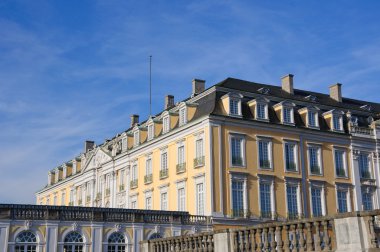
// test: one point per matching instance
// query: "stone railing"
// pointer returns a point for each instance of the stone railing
(64, 213)
(355, 231)
(361, 131)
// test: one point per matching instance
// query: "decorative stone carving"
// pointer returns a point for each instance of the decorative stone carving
(157, 229)
(74, 226)
(28, 224)
(195, 229)
(118, 227)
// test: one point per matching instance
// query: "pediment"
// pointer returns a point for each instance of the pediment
(99, 158)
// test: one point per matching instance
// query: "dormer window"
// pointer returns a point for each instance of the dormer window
(312, 118)
(124, 144)
(337, 122)
(150, 131)
(232, 104)
(287, 115)
(259, 107)
(182, 116)
(136, 138)
(334, 119)
(285, 111)
(165, 124)
(261, 111)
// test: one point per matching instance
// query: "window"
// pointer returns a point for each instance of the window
(342, 201)
(182, 116)
(55, 199)
(199, 155)
(116, 243)
(316, 201)
(124, 144)
(164, 201)
(364, 168)
(234, 106)
(134, 178)
(337, 122)
(121, 180)
(181, 154)
(238, 198)
(150, 132)
(148, 166)
(26, 242)
(340, 164)
(166, 125)
(290, 157)
(314, 160)
(287, 115)
(312, 119)
(181, 199)
(237, 151)
(134, 202)
(261, 111)
(265, 200)
(148, 202)
(367, 201)
(164, 165)
(136, 138)
(292, 200)
(200, 201)
(265, 154)
(73, 242)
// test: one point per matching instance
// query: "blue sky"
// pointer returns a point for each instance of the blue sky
(76, 70)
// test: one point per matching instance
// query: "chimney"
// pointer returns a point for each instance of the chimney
(169, 101)
(198, 86)
(88, 145)
(134, 120)
(336, 92)
(287, 83)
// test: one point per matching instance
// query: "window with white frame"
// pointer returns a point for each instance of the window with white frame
(364, 166)
(265, 200)
(63, 198)
(164, 160)
(337, 122)
(148, 166)
(165, 124)
(290, 152)
(181, 199)
(367, 200)
(238, 191)
(108, 182)
(181, 154)
(71, 196)
(55, 202)
(261, 111)
(342, 201)
(26, 241)
(88, 191)
(182, 116)
(133, 200)
(237, 153)
(235, 106)
(340, 163)
(287, 115)
(199, 148)
(148, 202)
(124, 144)
(316, 201)
(150, 131)
(164, 201)
(200, 198)
(292, 201)
(312, 117)
(136, 138)
(134, 172)
(265, 153)
(315, 160)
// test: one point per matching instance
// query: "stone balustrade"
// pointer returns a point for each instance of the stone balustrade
(355, 231)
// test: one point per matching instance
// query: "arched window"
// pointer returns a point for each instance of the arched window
(73, 242)
(26, 242)
(155, 236)
(116, 243)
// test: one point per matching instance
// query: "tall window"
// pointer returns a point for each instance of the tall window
(337, 122)
(166, 124)
(237, 198)
(148, 166)
(290, 157)
(367, 201)
(134, 172)
(121, 180)
(364, 166)
(164, 161)
(312, 118)
(340, 169)
(55, 200)
(63, 198)
(237, 152)
(199, 148)
(181, 199)
(316, 201)
(136, 138)
(26, 242)
(148, 202)
(342, 201)
(265, 200)
(292, 200)
(234, 107)
(134, 203)
(73, 242)
(150, 132)
(314, 160)
(116, 243)
(200, 201)
(181, 154)
(264, 154)
(261, 111)
(287, 115)
(182, 116)
(164, 201)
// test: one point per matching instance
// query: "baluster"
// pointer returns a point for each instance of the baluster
(294, 240)
(259, 241)
(272, 239)
(372, 231)
(317, 240)
(279, 238)
(200, 247)
(286, 241)
(309, 240)
(301, 241)
(187, 244)
(210, 245)
(326, 246)
(241, 240)
(265, 237)
(246, 240)
(252, 240)
(236, 241)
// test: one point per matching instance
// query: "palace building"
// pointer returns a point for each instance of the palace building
(238, 151)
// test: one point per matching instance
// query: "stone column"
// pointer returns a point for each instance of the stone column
(138, 235)
(323, 199)
(97, 237)
(223, 241)
(4, 234)
(93, 192)
(103, 189)
(51, 236)
(273, 200)
(299, 201)
(356, 180)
